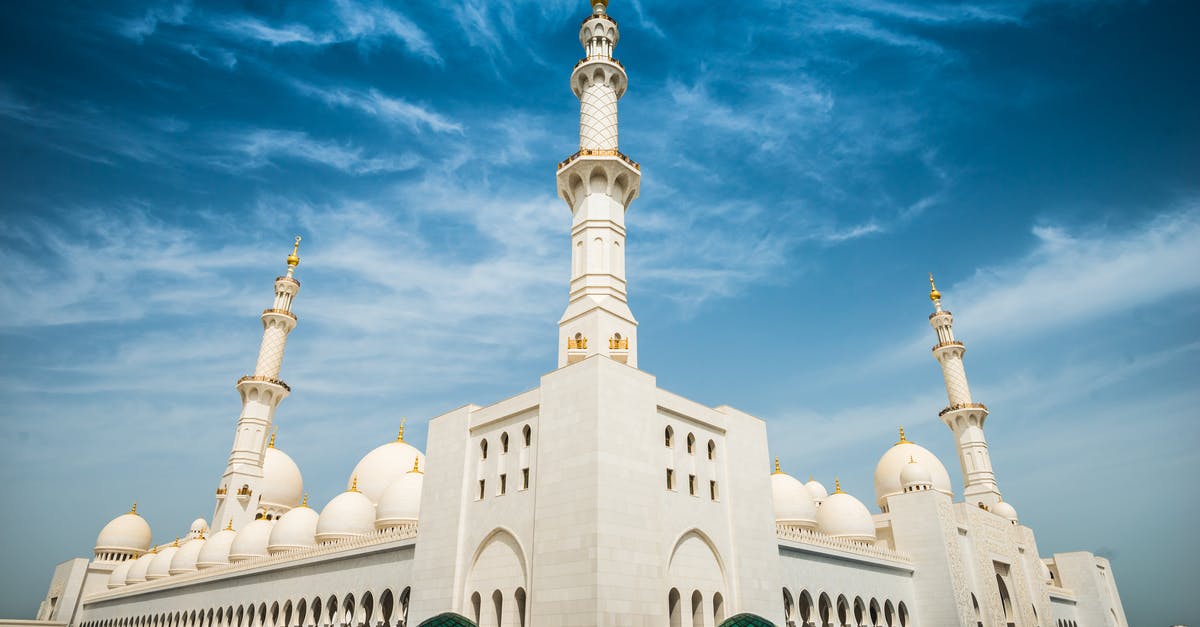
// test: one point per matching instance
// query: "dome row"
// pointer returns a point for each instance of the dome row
(810, 506)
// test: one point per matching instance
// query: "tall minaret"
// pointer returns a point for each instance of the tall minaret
(964, 417)
(238, 494)
(598, 183)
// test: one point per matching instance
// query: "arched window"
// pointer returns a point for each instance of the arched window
(718, 608)
(806, 606)
(712, 450)
(873, 608)
(385, 606)
(483, 449)
(527, 434)
(670, 437)
(789, 608)
(498, 606)
(673, 607)
(888, 613)
(368, 607)
(520, 598)
(843, 610)
(902, 613)
(978, 613)
(504, 442)
(825, 610)
(1005, 601)
(697, 609)
(476, 606)
(860, 610)
(691, 444)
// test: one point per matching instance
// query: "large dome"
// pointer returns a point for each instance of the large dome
(126, 533)
(251, 541)
(282, 486)
(843, 516)
(887, 471)
(401, 502)
(349, 515)
(379, 468)
(793, 503)
(216, 549)
(137, 572)
(296, 530)
(186, 557)
(160, 566)
(117, 578)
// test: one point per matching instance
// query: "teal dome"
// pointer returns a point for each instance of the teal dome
(746, 620)
(450, 619)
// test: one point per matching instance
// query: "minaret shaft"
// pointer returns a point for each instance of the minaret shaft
(964, 416)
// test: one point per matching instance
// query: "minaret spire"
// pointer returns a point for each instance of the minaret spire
(598, 183)
(964, 416)
(237, 499)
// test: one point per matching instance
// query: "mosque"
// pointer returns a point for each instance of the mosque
(596, 498)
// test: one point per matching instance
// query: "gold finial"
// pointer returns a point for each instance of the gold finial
(902, 439)
(934, 294)
(304, 503)
(810, 477)
(294, 259)
(837, 486)
(229, 527)
(400, 436)
(133, 510)
(416, 466)
(176, 543)
(354, 484)
(273, 434)
(777, 470)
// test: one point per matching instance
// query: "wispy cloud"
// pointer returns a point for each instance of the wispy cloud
(147, 23)
(261, 147)
(389, 109)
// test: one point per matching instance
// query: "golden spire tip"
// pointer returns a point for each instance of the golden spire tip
(902, 439)
(837, 486)
(304, 503)
(294, 258)
(777, 470)
(354, 484)
(133, 510)
(400, 436)
(273, 434)
(229, 527)
(934, 294)
(416, 465)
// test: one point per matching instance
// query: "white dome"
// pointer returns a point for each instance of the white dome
(818, 491)
(198, 529)
(843, 516)
(401, 502)
(297, 529)
(915, 475)
(160, 566)
(281, 486)
(137, 572)
(887, 471)
(349, 515)
(379, 468)
(117, 578)
(251, 541)
(216, 549)
(793, 503)
(127, 532)
(1005, 510)
(186, 557)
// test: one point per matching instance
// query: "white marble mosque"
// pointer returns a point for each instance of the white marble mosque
(595, 498)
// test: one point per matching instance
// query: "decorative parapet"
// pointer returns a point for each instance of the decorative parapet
(288, 279)
(958, 406)
(576, 344)
(945, 344)
(618, 344)
(589, 59)
(406, 531)
(944, 312)
(794, 533)
(282, 312)
(585, 152)
(600, 16)
(264, 379)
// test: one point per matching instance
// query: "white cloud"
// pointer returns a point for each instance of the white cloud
(147, 23)
(261, 147)
(381, 106)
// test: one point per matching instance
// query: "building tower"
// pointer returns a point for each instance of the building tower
(964, 416)
(261, 392)
(598, 183)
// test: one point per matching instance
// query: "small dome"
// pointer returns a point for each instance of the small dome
(793, 503)
(198, 529)
(401, 502)
(160, 566)
(379, 468)
(817, 490)
(1003, 509)
(915, 475)
(186, 557)
(887, 471)
(296, 530)
(137, 572)
(843, 516)
(117, 578)
(281, 486)
(349, 515)
(1045, 570)
(215, 551)
(126, 533)
(251, 541)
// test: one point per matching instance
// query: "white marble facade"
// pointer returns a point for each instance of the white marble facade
(596, 498)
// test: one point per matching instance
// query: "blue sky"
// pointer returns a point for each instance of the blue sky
(805, 165)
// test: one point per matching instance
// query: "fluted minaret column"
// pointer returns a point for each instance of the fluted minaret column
(964, 416)
(238, 494)
(598, 183)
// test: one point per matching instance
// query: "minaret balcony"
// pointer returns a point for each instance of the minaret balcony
(962, 415)
(262, 379)
(944, 312)
(585, 152)
(281, 312)
(599, 69)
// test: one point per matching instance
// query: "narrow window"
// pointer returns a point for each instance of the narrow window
(691, 444)
(692, 485)
(670, 437)
(504, 442)
(524, 478)
(481, 489)
(527, 433)
(712, 489)
(503, 483)
(483, 449)
(712, 449)
(670, 479)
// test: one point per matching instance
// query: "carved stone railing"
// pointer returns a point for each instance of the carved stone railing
(402, 532)
(282, 312)
(288, 278)
(958, 406)
(950, 343)
(944, 312)
(585, 152)
(602, 16)
(601, 58)
(807, 536)
(279, 382)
